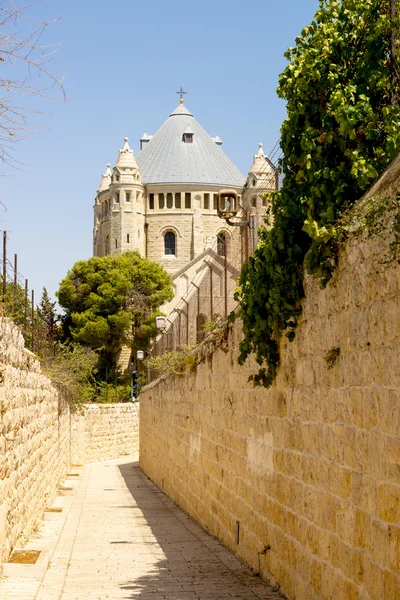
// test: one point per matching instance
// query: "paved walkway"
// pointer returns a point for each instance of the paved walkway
(120, 537)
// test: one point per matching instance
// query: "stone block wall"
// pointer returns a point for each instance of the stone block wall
(40, 437)
(34, 439)
(301, 480)
(104, 432)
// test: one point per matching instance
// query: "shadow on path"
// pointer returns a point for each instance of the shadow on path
(174, 557)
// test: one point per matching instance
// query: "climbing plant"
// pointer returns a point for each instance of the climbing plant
(342, 129)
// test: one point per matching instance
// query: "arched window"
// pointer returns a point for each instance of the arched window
(221, 244)
(107, 245)
(170, 243)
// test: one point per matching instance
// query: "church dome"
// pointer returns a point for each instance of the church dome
(182, 152)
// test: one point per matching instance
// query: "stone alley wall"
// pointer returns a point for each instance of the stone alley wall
(302, 480)
(104, 431)
(40, 438)
(34, 439)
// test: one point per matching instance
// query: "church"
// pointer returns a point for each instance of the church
(163, 202)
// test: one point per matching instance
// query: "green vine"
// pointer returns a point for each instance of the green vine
(341, 131)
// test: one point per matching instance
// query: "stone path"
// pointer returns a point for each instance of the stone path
(120, 537)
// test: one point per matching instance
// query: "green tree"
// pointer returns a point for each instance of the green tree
(104, 298)
(47, 316)
(13, 304)
(342, 129)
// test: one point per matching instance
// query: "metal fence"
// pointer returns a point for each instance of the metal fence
(17, 301)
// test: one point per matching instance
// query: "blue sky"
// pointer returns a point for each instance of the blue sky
(125, 60)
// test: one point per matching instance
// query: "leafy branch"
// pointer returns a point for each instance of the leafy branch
(341, 131)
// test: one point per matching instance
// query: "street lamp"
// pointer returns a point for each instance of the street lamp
(228, 207)
(161, 324)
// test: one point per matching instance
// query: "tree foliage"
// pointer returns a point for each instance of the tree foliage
(342, 129)
(71, 369)
(104, 297)
(47, 316)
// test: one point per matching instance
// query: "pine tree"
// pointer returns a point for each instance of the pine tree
(47, 318)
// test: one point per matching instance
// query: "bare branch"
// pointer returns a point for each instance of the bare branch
(26, 70)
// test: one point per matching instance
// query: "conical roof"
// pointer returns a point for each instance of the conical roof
(167, 158)
(126, 158)
(261, 163)
(105, 180)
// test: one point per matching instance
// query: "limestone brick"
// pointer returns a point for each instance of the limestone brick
(34, 439)
(107, 431)
(310, 467)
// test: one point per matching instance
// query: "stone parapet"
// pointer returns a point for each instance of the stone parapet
(105, 431)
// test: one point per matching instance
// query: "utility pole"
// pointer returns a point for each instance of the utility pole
(4, 268)
(26, 309)
(15, 286)
(33, 321)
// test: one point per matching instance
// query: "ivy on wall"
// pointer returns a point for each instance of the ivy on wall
(342, 130)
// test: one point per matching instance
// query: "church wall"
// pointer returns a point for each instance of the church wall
(196, 227)
(181, 225)
(115, 231)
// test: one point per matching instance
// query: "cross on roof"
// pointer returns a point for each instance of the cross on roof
(181, 92)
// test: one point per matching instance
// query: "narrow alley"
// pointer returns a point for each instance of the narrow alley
(120, 537)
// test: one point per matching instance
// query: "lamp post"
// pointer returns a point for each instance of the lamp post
(135, 375)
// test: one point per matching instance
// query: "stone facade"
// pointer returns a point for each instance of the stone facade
(302, 480)
(34, 439)
(105, 431)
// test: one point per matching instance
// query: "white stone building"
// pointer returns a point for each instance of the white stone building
(163, 203)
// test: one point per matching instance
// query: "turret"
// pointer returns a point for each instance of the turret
(127, 204)
(101, 211)
(126, 177)
(261, 180)
(105, 180)
(119, 209)
(262, 172)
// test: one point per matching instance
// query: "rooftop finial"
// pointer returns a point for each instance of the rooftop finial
(108, 165)
(181, 92)
(126, 139)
